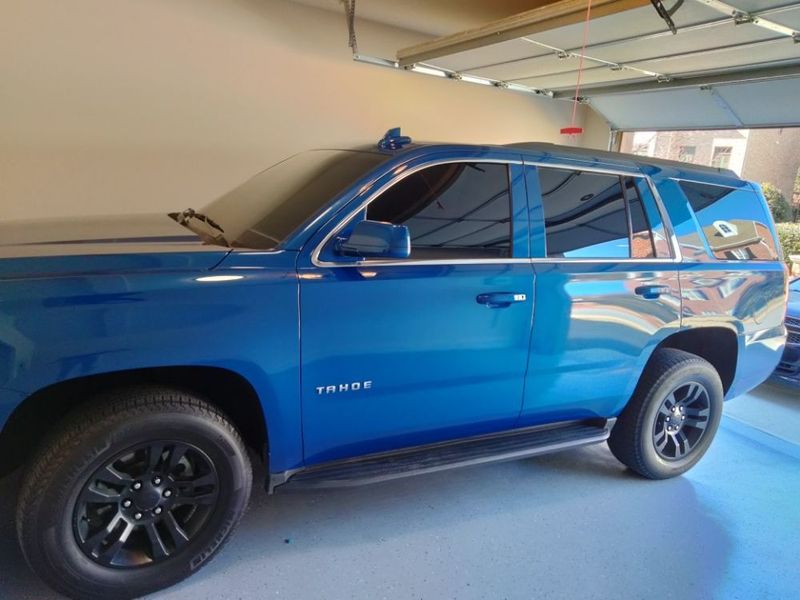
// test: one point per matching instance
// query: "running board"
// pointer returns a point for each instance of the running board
(510, 445)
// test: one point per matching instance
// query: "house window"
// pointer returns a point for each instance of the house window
(686, 153)
(721, 158)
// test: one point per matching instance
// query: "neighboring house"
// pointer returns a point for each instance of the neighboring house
(763, 155)
(773, 155)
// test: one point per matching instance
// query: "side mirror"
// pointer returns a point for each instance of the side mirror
(374, 239)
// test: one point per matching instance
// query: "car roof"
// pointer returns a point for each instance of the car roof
(611, 159)
(589, 153)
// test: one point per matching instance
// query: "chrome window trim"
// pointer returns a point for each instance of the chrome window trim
(633, 172)
(619, 172)
(748, 261)
(245, 250)
(431, 262)
(668, 228)
(723, 185)
(603, 260)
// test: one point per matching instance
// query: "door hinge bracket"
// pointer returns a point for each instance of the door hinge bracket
(666, 13)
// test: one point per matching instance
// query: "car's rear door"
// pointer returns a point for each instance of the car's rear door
(606, 289)
(433, 347)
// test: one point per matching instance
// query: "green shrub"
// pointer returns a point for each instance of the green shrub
(789, 235)
(778, 205)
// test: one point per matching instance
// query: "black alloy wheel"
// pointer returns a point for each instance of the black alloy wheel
(145, 504)
(133, 492)
(672, 417)
(682, 420)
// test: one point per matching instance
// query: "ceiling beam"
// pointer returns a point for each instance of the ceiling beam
(707, 79)
(559, 13)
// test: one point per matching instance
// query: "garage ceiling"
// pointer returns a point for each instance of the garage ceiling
(732, 64)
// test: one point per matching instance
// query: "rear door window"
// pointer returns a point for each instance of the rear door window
(733, 221)
(585, 214)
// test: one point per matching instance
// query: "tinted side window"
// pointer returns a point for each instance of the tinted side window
(733, 221)
(584, 214)
(455, 210)
(641, 237)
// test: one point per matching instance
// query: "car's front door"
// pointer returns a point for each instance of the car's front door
(404, 352)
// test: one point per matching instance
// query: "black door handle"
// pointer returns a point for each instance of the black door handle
(500, 299)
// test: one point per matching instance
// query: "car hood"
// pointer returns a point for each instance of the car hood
(91, 244)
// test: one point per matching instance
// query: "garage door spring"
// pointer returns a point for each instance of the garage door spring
(350, 15)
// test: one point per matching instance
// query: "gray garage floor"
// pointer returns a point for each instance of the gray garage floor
(574, 525)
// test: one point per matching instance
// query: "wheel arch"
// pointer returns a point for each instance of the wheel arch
(38, 414)
(718, 345)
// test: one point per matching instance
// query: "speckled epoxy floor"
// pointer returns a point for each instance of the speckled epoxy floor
(572, 525)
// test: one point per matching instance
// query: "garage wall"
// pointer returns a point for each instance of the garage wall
(118, 106)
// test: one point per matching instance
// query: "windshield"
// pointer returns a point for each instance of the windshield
(795, 285)
(264, 210)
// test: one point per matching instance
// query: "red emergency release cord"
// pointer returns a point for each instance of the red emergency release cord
(572, 129)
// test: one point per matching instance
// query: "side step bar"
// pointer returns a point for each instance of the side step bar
(510, 445)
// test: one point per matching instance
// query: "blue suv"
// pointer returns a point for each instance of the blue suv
(350, 316)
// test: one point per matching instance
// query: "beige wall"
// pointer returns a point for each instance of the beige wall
(110, 106)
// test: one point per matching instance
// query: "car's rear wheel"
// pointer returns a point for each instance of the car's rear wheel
(672, 418)
(132, 494)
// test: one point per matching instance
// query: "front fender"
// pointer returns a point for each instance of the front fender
(57, 329)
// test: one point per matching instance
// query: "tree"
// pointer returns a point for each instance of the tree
(796, 196)
(778, 205)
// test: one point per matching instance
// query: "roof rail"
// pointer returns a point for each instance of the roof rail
(646, 160)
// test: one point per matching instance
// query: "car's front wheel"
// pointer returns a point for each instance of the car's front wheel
(132, 494)
(669, 423)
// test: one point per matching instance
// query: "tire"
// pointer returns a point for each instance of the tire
(672, 417)
(192, 472)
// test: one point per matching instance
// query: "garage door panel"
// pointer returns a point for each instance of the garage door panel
(631, 23)
(662, 110)
(590, 77)
(760, 103)
(690, 41)
(548, 64)
(756, 5)
(781, 50)
(711, 66)
(642, 53)
(489, 55)
(790, 18)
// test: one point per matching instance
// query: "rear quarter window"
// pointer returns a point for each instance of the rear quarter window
(734, 222)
